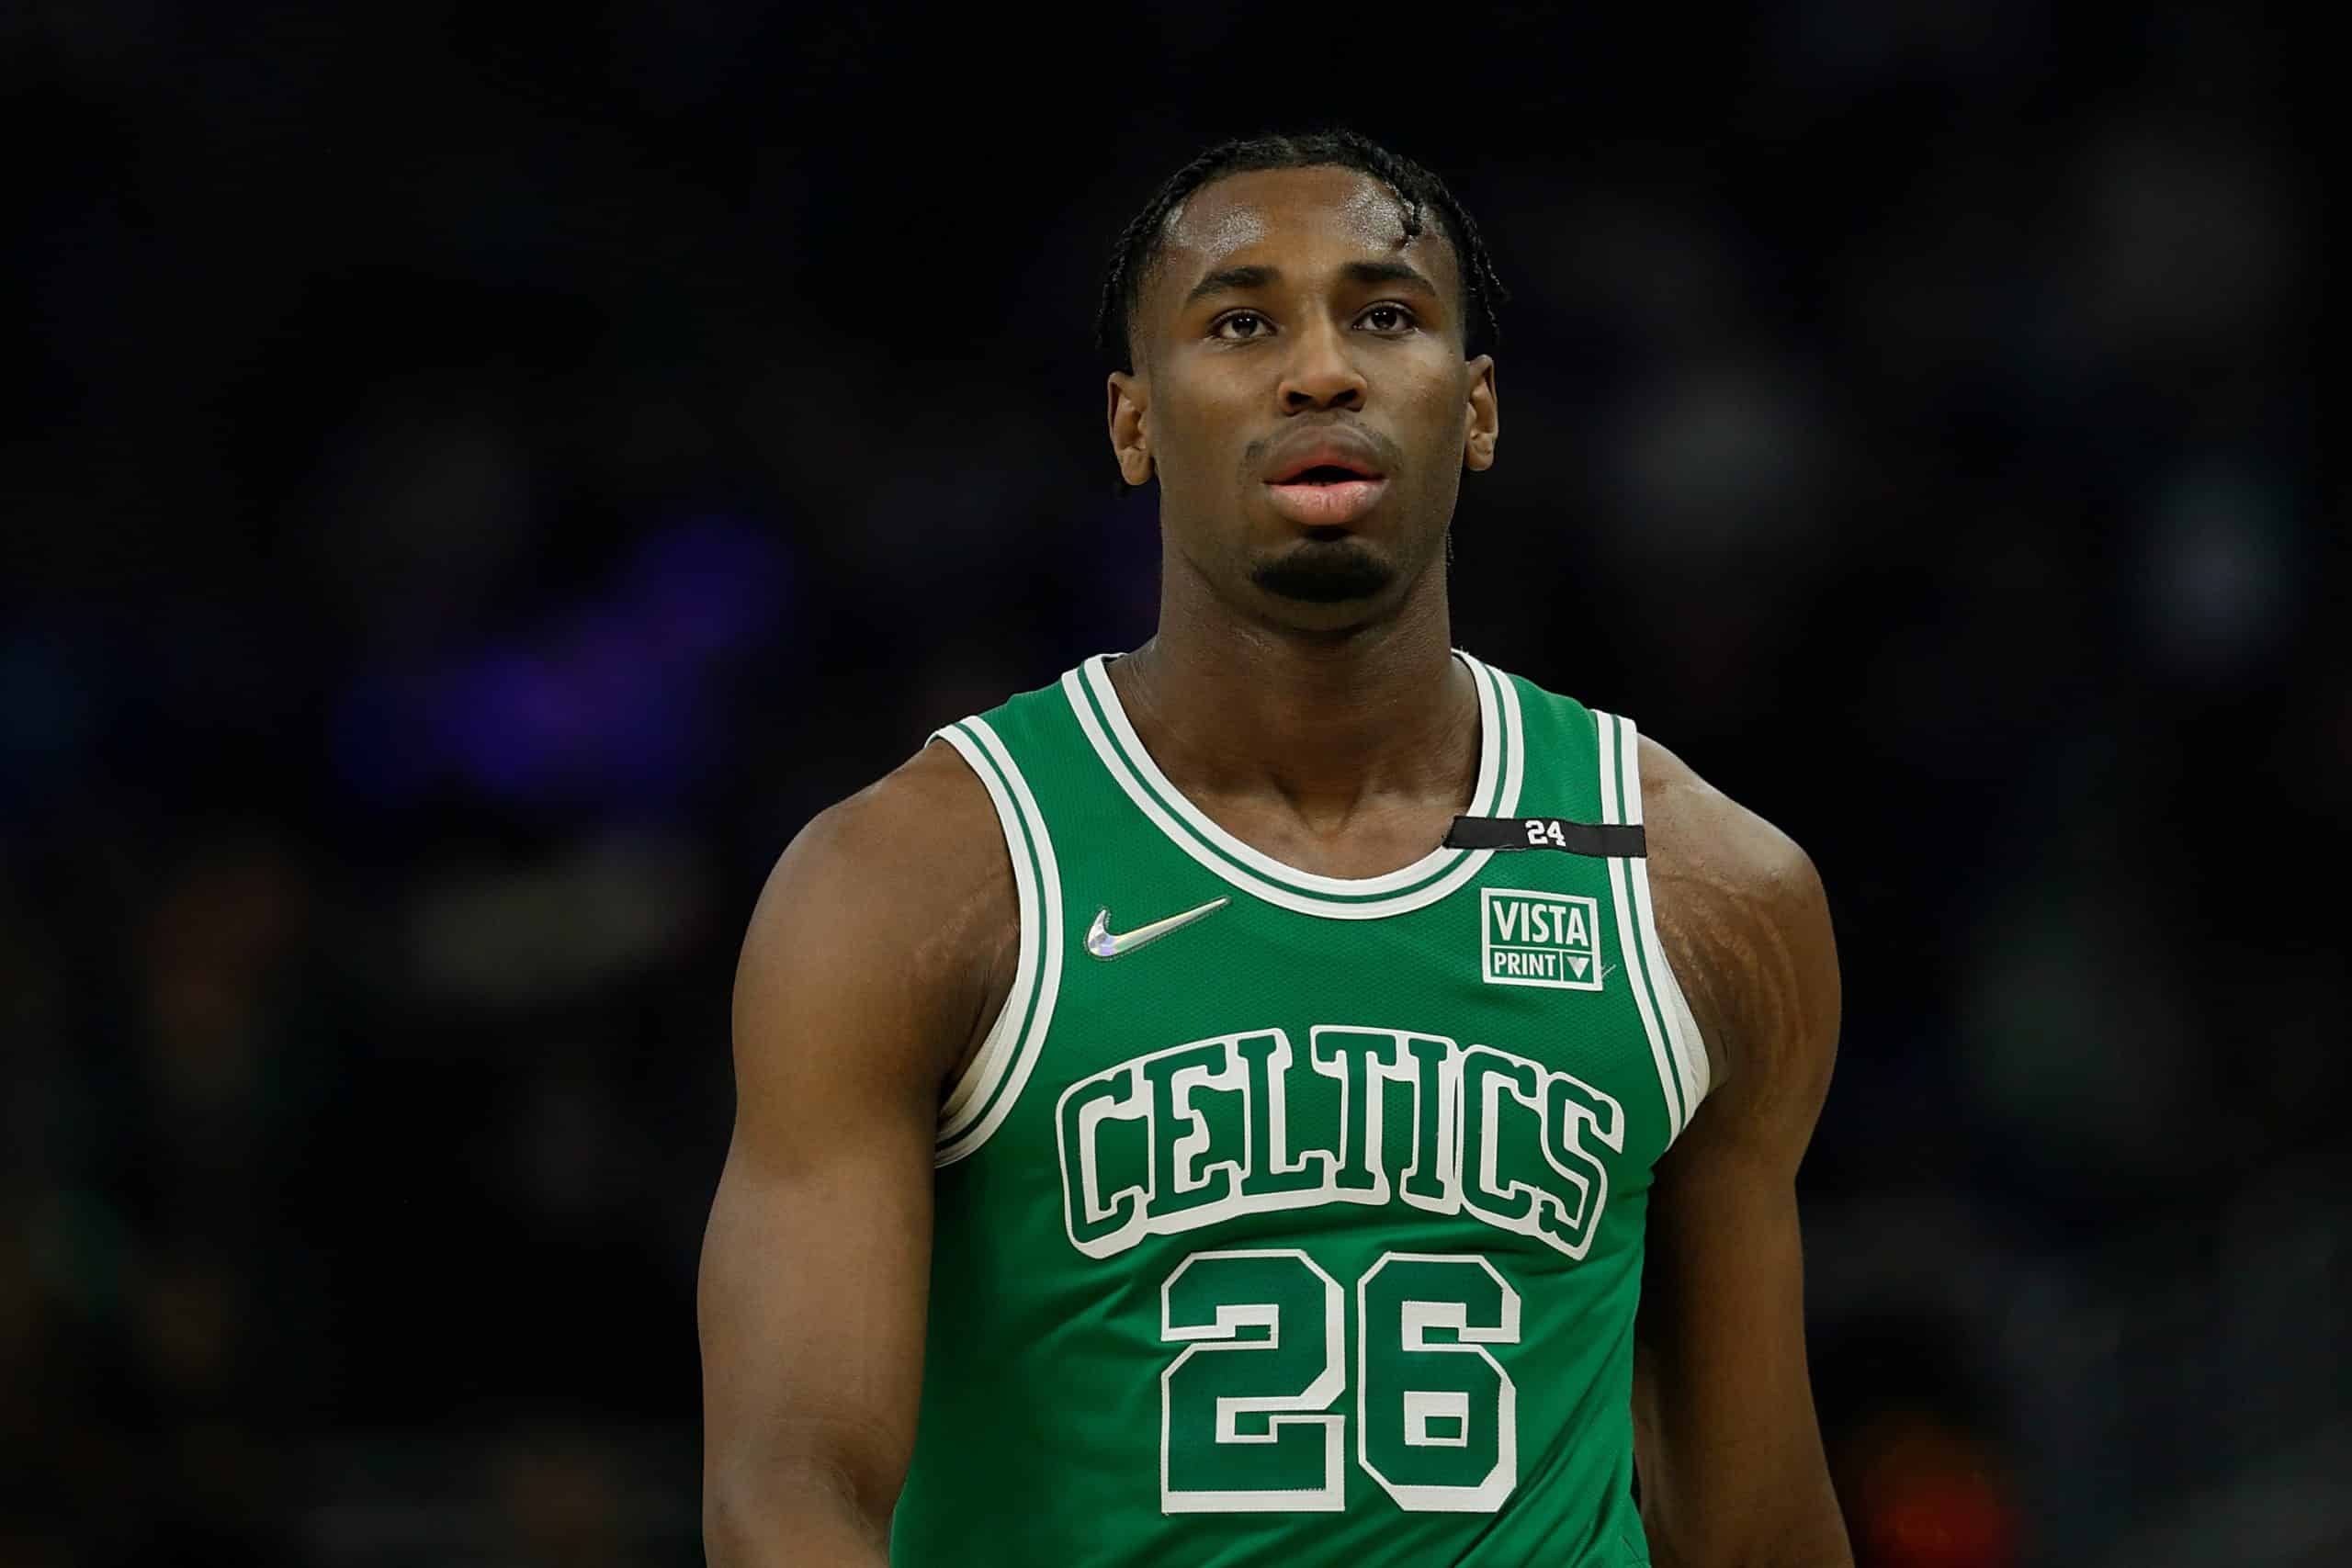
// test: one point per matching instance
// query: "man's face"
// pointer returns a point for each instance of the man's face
(1301, 392)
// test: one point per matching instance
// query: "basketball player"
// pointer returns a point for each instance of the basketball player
(1223, 1107)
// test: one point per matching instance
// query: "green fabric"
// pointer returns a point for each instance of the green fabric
(1190, 1148)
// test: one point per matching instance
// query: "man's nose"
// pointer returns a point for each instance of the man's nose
(1321, 374)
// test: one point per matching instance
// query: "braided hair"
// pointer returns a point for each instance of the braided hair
(1136, 250)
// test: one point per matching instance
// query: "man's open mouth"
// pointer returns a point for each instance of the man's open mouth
(1326, 496)
(1325, 474)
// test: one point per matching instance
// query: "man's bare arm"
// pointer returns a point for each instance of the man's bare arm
(870, 966)
(1727, 1444)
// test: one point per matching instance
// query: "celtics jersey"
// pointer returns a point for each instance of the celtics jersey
(1288, 1219)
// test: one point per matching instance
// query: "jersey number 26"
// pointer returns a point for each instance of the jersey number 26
(1247, 1422)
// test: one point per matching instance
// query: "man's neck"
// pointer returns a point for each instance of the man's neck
(1235, 710)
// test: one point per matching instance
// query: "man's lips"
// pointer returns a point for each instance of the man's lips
(1325, 462)
(1339, 450)
(1326, 505)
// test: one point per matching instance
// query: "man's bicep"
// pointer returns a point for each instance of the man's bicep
(811, 1308)
(1726, 1440)
(816, 1262)
(1728, 1447)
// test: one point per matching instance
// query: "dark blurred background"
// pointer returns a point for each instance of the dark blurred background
(481, 481)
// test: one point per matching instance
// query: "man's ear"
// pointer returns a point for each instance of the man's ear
(1129, 442)
(1481, 421)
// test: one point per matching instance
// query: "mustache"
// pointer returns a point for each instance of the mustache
(1253, 455)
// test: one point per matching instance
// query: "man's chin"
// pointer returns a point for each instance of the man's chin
(1333, 572)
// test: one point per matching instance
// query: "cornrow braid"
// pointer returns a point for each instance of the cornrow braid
(1136, 250)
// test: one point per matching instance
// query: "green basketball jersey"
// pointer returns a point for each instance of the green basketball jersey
(1287, 1219)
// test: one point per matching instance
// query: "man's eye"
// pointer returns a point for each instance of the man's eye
(1255, 324)
(1389, 317)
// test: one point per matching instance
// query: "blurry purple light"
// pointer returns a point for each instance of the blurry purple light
(708, 585)
(605, 703)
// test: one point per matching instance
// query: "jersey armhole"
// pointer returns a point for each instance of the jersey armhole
(1675, 1045)
(981, 1097)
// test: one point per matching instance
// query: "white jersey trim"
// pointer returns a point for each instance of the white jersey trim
(1502, 770)
(1630, 943)
(1681, 1028)
(984, 1093)
(1628, 939)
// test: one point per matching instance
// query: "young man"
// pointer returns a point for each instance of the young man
(1225, 1106)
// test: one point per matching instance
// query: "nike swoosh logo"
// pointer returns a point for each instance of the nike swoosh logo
(1105, 942)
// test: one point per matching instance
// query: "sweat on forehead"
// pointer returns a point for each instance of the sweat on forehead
(1230, 214)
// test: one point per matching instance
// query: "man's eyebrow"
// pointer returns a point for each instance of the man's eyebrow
(1232, 279)
(1389, 272)
(1237, 279)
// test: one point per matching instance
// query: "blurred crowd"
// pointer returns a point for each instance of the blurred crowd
(484, 486)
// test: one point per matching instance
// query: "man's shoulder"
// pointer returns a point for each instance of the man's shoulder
(1695, 827)
(904, 890)
(921, 813)
(920, 837)
(1743, 913)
